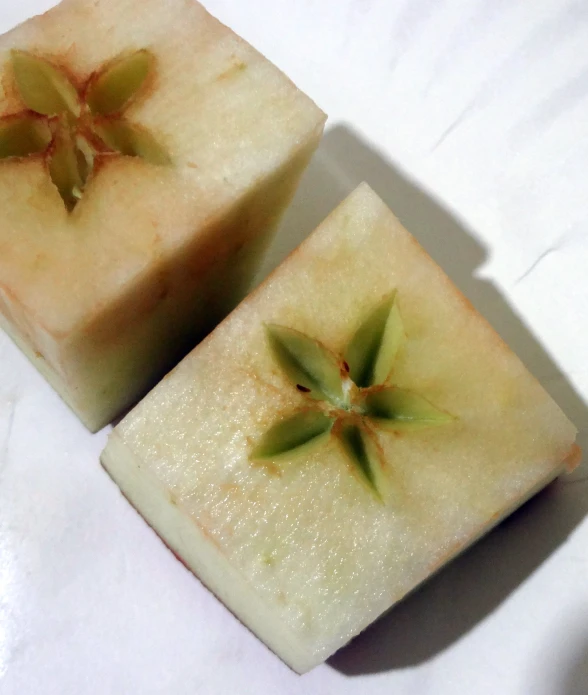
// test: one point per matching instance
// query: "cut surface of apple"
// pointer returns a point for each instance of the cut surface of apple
(146, 155)
(352, 426)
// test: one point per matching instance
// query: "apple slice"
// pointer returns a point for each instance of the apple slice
(351, 427)
(146, 156)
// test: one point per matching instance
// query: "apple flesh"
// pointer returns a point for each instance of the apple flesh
(299, 550)
(107, 297)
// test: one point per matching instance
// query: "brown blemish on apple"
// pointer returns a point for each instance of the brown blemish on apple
(269, 467)
(8, 85)
(349, 418)
(175, 554)
(465, 304)
(24, 112)
(101, 161)
(254, 376)
(450, 552)
(374, 436)
(208, 535)
(231, 490)
(232, 71)
(573, 459)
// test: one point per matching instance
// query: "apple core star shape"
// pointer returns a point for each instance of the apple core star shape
(349, 396)
(70, 126)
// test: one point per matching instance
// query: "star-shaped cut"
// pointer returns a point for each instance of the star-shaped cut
(69, 127)
(348, 396)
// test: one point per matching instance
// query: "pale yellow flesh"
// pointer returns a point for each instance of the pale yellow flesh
(322, 556)
(199, 553)
(153, 256)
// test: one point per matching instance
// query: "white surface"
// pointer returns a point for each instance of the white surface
(471, 120)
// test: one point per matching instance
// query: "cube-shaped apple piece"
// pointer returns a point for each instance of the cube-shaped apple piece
(146, 155)
(351, 427)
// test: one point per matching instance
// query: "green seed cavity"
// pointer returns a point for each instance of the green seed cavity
(70, 130)
(347, 395)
